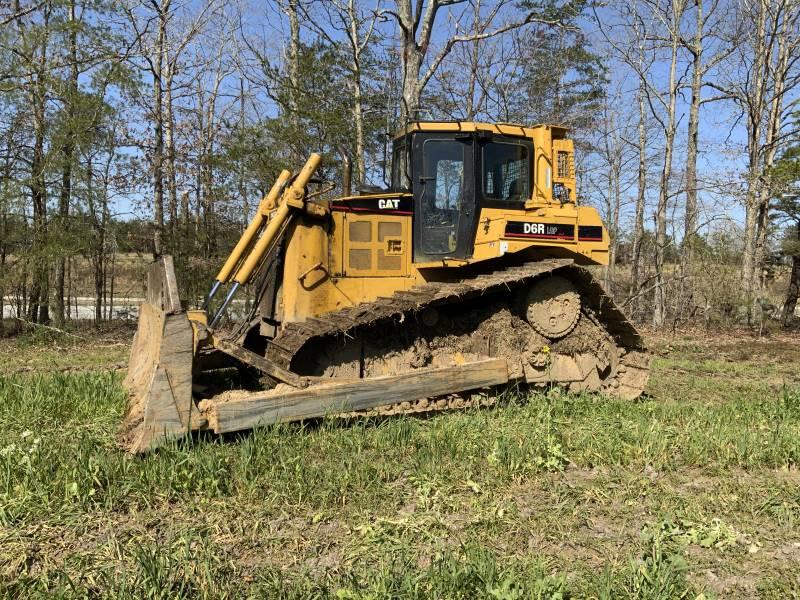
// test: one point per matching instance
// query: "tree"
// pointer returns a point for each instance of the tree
(535, 74)
(641, 192)
(785, 179)
(87, 47)
(67, 152)
(608, 172)
(764, 74)
(705, 53)
(562, 79)
(33, 51)
(159, 55)
(416, 22)
(661, 37)
(357, 25)
(671, 16)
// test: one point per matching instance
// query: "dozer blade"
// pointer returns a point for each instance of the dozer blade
(159, 379)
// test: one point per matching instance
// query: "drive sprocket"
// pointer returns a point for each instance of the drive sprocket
(553, 307)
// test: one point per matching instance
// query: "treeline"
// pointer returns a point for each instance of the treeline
(155, 126)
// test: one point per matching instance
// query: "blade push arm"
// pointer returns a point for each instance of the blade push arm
(261, 216)
(292, 198)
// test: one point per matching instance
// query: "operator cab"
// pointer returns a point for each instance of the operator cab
(452, 175)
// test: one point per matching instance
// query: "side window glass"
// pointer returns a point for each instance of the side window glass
(400, 169)
(506, 172)
(449, 179)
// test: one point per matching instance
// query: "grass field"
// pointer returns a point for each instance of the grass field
(691, 492)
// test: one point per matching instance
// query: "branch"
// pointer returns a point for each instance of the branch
(383, 15)
(24, 12)
(655, 286)
(531, 18)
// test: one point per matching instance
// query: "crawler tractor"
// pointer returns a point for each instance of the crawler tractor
(468, 273)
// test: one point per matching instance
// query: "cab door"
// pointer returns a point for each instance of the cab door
(444, 196)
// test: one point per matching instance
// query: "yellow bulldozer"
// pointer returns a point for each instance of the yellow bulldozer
(466, 275)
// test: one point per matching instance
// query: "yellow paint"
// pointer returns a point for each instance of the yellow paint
(261, 216)
(351, 258)
(197, 316)
(292, 198)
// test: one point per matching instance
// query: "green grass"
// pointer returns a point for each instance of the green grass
(43, 349)
(693, 490)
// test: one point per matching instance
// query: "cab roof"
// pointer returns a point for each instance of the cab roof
(511, 129)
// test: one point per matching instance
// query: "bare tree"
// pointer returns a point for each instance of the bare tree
(661, 36)
(209, 123)
(160, 49)
(33, 51)
(610, 178)
(671, 16)
(704, 56)
(416, 21)
(68, 152)
(291, 9)
(641, 192)
(357, 25)
(764, 75)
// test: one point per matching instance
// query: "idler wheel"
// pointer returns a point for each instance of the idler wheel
(553, 307)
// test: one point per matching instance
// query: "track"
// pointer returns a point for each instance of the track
(391, 335)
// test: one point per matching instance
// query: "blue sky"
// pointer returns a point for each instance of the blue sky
(722, 136)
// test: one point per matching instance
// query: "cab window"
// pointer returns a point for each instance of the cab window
(506, 172)
(443, 161)
(400, 180)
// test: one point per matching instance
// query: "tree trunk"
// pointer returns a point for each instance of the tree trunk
(67, 156)
(755, 106)
(113, 277)
(38, 309)
(242, 183)
(187, 220)
(3, 234)
(169, 134)
(3, 237)
(470, 108)
(158, 130)
(762, 227)
(293, 72)
(614, 232)
(690, 222)
(412, 90)
(358, 109)
(98, 242)
(771, 141)
(412, 54)
(751, 218)
(638, 222)
(358, 117)
(4, 230)
(793, 292)
(660, 296)
(208, 200)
